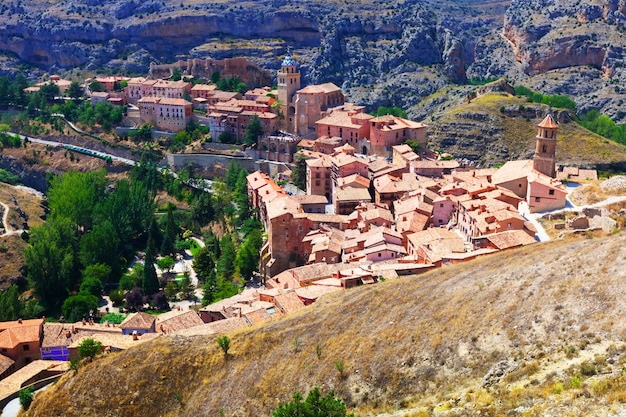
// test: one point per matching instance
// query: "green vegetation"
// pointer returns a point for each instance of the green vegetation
(224, 344)
(394, 111)
(561, 102)
(254, 129)
(8, 177)
(481, 81)
(298, 174)
(315, 405)
(113, 318)
(89, 348)
(233, 84)
(604, 126)
(26, 397)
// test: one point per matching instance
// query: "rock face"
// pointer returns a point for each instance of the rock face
(574, 48)
(380, 53)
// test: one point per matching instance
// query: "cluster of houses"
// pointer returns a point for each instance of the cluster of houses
(373, 216)
(27, 342)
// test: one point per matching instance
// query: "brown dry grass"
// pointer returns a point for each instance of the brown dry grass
(12, 256)
(417, 343)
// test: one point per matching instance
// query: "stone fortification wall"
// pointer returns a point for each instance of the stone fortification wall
(247, 71)
(211, 165)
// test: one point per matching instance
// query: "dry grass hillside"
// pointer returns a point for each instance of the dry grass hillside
(491, 129)
(24, 210)
(533, 332)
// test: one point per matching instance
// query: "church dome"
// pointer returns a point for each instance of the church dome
(288, 61)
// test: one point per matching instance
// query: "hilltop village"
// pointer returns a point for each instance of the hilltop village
(378, 204)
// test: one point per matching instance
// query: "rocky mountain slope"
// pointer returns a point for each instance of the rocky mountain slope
(486, 126)
(379, 52)
(535, 331)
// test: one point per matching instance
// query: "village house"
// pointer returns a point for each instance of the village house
(534, 180)
(376, 245)
(387, 188)
(388, 131)
(349, 125)
(132, 91)
(110, 83)
(19, 343)
(277, 146)
(172, 114)
(138, 323)
(323, 245)
(318, 176)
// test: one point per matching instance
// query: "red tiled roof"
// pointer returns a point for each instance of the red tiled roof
(549, 122)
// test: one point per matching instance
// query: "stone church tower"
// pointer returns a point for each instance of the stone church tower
(288, 84)
(545, 150)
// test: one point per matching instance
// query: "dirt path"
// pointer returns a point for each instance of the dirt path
(5, 222)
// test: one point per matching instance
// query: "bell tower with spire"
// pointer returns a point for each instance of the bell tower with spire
(288, 84)
(545, 149)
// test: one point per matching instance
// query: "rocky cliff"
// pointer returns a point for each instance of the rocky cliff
(391, 53)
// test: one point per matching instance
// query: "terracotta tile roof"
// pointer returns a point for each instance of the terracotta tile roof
(548, 122)
(333, 140)
(348, 194)
(138, 320)
(25, 332)
(288, 302)
(164, 100)
(320, 88)
(510, 239)
(5, 363)
(512, 170)
(432, 164)
(412, 221)
(178, 321)
(340, 119)
(354, 180)
(59, 334)
(204, 87)
(313, 292)
(13, 382)
(310, 199)
(323, 162)
(115, 340)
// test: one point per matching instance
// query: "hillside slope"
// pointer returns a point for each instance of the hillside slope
(496, 127)
(536, 331)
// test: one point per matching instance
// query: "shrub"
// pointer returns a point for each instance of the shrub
(89, 348)
(315, 405)
(224, 344)
(26, 397)
(340, 366)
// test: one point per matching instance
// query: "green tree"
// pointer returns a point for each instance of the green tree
(96, 87)
(26, 397)
(166, 264)
(225, 137)
(394, 111)
(298, 174)
(91, 285)
(11, 304)
(100, 246)
(224, 343)
(171, 232)
(89, 348)
(247, 259)
(254, 129)
(150, 282)
(52, 268)
(79, 306)
(215, 77)
(315, 405)
(75, 195)
(225, 263)
(75, 91)
(49, 92)
(186, 288)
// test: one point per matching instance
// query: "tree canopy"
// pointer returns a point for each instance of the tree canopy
(315, 405)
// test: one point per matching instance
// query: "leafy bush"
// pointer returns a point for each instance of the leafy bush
(26, 397)
(315, 405)
(89, 348)
(224, 344)
(113, 318)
